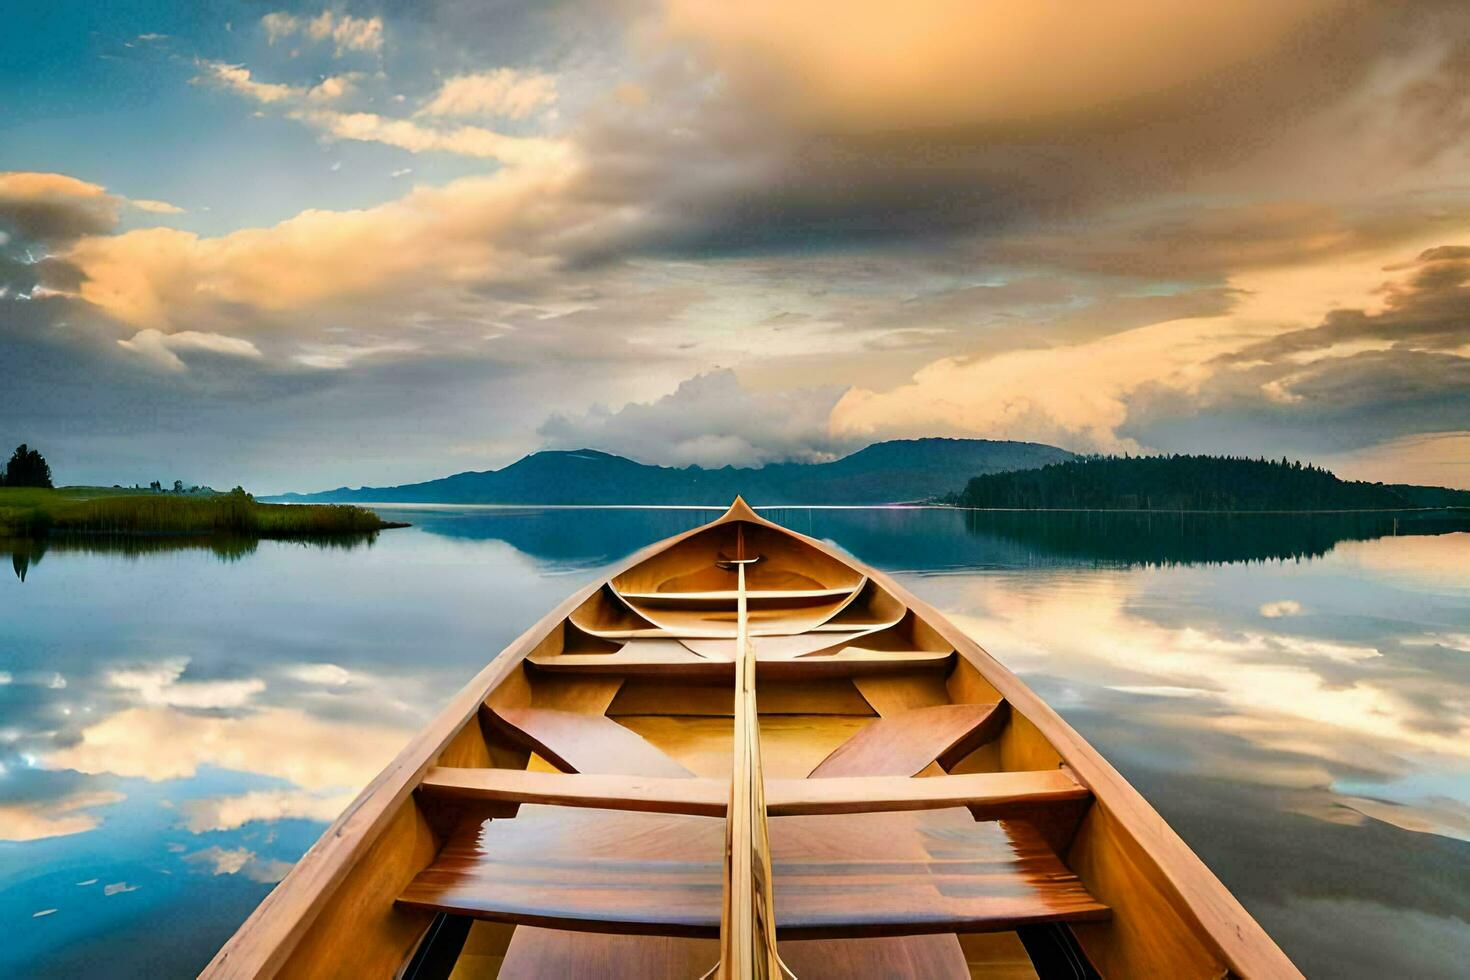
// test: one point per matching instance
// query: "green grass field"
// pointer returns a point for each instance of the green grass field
(27, 512)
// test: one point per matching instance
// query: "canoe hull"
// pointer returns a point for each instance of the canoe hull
(338, 912)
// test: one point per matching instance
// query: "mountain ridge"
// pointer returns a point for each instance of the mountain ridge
(894, 471)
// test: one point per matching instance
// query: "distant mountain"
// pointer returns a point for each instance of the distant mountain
(886, 472)
(1191, 483)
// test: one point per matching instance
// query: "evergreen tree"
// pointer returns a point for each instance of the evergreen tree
(27, 468)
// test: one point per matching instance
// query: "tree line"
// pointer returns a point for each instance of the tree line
(28, 468)
(1178, 482)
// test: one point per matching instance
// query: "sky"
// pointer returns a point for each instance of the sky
(302, 246)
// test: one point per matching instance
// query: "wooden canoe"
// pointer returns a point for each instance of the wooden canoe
(747, 755)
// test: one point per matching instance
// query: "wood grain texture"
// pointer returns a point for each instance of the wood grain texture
(933, 957)
(647, 794)
(581, 695)
(549, 954)
(658, 874)
(484, 951)
(747, 912)
(893, 693)
(903, 743)
(793, 743)
(554, 954)
(649, 656)
(1155, 937)
(990, 796)
(772, 647)
(652, 695)
(362, 907)
(997, 956)
(585, 743)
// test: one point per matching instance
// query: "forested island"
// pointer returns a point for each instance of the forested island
(31, 507)
(1191, 483)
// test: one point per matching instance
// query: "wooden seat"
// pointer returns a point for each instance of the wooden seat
(574, 742)
(905, 742)
(869, 874)
(552, 954)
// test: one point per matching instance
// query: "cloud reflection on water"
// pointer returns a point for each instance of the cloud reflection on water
(214, 716)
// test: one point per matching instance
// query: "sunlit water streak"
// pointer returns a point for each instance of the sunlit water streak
(178, 724)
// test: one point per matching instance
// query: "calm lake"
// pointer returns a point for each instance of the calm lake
(179, 722)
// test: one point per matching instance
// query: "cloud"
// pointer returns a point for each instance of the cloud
(162, 348)
(1015, 394)
(328, 675)
(1282, 607)
(155, 207)
(1439, 459)
(39, 819)
(1054, 234)
(1393, 365)
(267, 872)
(332, 88)
(710, 420)
(942, 64)
(1232, 382)
(470, 141)
(498, 92)
(51, 208)
(474, 230)
(307, 105)
(230, 812)
(1335, 701)
(157, 743)
(1192, 242)
(347, 32)
(239, 80)
(222, 861)
(1428, 310)
(160, 684)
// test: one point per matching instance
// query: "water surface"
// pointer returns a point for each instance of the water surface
(179, 722)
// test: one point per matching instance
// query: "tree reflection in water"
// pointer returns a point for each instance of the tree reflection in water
(25, 552)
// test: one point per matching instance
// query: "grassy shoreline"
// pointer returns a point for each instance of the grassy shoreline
(26, 512)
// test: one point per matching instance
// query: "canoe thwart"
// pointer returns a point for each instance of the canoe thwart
(990, 795)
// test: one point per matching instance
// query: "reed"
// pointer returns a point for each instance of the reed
(27, 512)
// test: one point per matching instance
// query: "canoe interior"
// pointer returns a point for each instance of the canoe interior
(927, 814)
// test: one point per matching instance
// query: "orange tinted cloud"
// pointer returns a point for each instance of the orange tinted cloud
(471, 230)
(859, 64)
